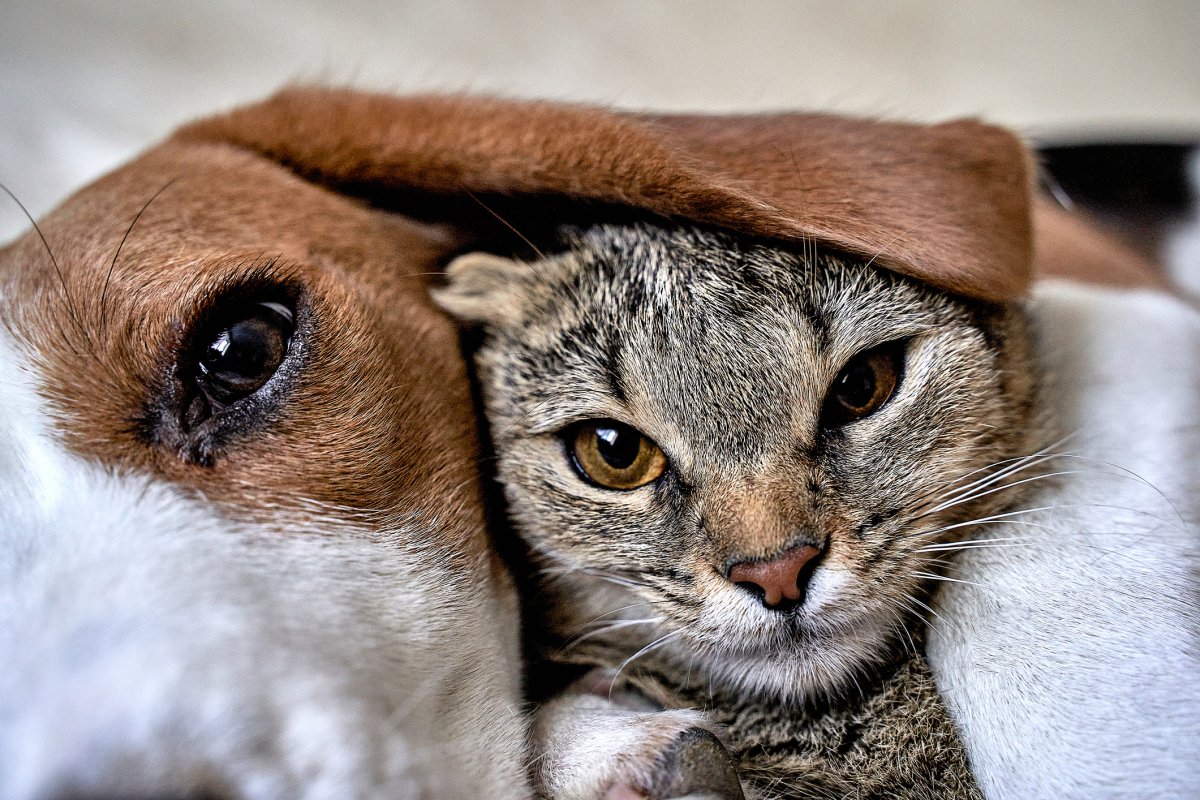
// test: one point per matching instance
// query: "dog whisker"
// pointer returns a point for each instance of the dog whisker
(506, 223)
(72, 312)
(113, 264)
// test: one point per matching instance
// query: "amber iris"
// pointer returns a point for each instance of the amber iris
(613, 455)
(864, 385)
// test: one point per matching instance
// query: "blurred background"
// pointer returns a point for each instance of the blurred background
(85, 85)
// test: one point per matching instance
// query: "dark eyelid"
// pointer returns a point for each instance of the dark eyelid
(560, 425)
(897, 343)
(254, 280)
(571, 428)
(167, 417)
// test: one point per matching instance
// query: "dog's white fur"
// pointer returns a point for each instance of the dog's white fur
(152, 647)
(1072, 659)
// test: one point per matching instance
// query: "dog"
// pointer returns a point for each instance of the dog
(210, 592)
(244, 543)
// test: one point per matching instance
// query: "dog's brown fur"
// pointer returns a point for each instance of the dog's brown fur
(945, 204)
(225, 214)
(902, 195)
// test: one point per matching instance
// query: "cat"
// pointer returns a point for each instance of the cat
(735, 468)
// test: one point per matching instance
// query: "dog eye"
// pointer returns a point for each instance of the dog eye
(613, 455)
(241, 352)
(864, 385)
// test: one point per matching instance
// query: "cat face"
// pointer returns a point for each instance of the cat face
(759, 446)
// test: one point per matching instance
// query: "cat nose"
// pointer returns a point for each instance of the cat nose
(779, 582)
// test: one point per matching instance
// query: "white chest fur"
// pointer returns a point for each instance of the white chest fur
(1072, 659)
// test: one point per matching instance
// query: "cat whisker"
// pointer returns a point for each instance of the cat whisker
(957, 501)
(1007, 466)
(657, 643)
(898, 624)
(616, 580)
(609, 613)
(994, 519)
(909, 609)
(557, 566)
(1131, 475)
(563, 571)
(927, 607)
(974, 544)
(935, 577)
(613, 579)
(940, 562)
(609, 628)
(1060, 538)
(1121, 472)
(1022, 542)
(1018, 466)
(1007, 519)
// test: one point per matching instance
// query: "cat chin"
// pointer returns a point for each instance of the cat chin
(810, 668)
(734, 643)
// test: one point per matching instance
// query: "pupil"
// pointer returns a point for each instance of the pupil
(242, 351)
(244, 355)
(617, 447)
(858, 386)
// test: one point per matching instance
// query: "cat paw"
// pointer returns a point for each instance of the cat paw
(695, 766)
(596, 748)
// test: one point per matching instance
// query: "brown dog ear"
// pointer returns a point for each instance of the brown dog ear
(947, 204)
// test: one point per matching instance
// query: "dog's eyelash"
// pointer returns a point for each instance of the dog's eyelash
(272, 277)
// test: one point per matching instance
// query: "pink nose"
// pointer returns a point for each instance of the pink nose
(781, 580)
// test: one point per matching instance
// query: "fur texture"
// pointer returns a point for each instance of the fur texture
(947, 204)
(722, 352)
(294, 597)
(1070, 658)
(152, 647)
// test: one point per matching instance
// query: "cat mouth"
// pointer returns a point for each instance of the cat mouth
(797, 637)
(810, 625)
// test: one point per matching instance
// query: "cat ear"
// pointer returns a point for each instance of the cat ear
(483, 288)
(946, 204)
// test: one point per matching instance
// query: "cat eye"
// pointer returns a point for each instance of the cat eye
(239, 353)
(613, 455)
(864, 385)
